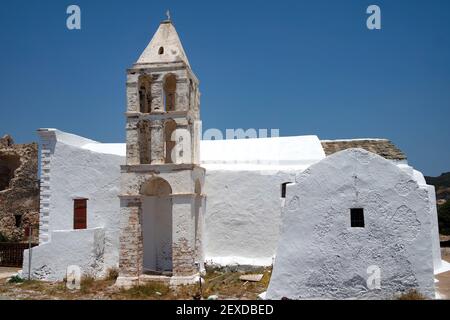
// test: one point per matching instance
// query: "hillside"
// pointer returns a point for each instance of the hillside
(442, 185)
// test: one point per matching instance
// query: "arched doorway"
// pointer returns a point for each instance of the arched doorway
(169, 128)
(157, 226)
(145, 94)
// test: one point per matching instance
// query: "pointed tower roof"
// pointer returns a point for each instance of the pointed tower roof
(164, 47)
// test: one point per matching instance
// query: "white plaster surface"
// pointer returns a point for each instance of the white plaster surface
(240, 154)
(70, 138)
(157, 233)
(319, 255)
(418, 177)
(298, 151)
(75, 172)
(84, 248)
(444, 267)
(118, 149)
(241, 215)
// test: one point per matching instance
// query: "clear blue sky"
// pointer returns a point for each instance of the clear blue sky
(305, 67)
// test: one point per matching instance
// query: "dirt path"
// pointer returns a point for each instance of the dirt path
(4, 274)
(223, 284)
(443, 286)
(7, 272)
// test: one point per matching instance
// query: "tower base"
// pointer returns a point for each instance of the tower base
(173, 281)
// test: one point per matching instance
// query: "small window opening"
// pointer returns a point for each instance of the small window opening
(161, 50)
(80, 214)
(170, 88)
(18, 218)
(357, 217)
(283, 189)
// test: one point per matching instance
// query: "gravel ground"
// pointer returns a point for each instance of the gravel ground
(7, 272)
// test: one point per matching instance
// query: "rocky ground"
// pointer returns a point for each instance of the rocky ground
(443, 286)
(218, 285)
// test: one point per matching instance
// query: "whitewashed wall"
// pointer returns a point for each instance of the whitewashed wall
(241, 220)
(320, 255)
(83, 248)
(242, 217)
(75, 172)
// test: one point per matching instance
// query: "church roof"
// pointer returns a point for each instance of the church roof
(297, 151)
(382, 147)
(164, 47)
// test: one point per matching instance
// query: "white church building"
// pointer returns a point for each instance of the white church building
(165, 203)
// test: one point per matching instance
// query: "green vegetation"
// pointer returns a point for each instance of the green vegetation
(15, 279)
(222, 282)
(442, 186)
(155, 290)
(3, 238)
(442, 181)
(411, 295)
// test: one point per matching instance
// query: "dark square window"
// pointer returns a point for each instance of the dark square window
(357, 217)
(283, 189)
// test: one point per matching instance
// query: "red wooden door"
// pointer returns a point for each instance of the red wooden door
(80, 214)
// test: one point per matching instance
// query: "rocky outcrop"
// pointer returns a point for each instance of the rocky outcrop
(19, 189)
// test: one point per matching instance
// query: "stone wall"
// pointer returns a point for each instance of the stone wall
(19, 189)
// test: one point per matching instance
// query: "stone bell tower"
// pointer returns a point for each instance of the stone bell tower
(161, 184)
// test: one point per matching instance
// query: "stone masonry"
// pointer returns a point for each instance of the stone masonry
(19, 189)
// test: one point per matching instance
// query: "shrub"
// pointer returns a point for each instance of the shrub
(87, 280)
(112, 274)
(15, 279)
(3, 238)
(87, 283)
(411, 295)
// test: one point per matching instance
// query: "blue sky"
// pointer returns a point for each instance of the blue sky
(305, 67)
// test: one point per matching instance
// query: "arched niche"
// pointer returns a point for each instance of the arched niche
(144, 141)
(156, 202)
(169, 128)
(198, 187)
(169, 96)
(156, 187)
(145, 94)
